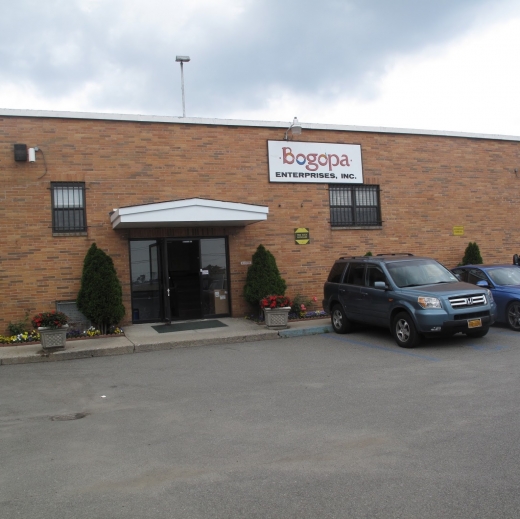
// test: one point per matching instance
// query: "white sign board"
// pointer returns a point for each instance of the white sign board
(317, 162)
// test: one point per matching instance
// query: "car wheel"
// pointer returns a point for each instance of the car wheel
(513, 315)
(477, 333)
(339, 320)
(404, 331)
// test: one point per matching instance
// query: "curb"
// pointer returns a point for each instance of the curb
(124, 346)
(316, 330)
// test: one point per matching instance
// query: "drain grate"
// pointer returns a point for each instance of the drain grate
(65, 417)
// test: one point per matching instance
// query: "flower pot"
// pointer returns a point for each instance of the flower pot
(277, 318)
(53, 338)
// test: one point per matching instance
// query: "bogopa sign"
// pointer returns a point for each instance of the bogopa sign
(317, 162)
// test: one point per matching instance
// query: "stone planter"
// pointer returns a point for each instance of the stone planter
(53, 338)
(277, 318)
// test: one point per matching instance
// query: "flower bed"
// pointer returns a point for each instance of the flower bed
(34, 336)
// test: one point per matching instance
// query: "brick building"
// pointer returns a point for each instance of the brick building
(181, 204)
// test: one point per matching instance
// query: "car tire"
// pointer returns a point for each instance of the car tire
(404, 331)
(513, 315)
(338, 318)
(476, 334)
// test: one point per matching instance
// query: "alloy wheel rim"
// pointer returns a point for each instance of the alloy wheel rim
(402, 330)
(514, 315)
(337, 320)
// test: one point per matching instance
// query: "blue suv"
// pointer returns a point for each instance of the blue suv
(413, 296)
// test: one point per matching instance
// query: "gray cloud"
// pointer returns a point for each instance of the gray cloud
(326, 48)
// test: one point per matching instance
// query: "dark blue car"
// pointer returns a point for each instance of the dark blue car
(504, 283)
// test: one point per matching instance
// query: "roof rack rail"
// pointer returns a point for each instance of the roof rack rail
(396, 254)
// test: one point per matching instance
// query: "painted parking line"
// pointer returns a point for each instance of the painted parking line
(384, 348)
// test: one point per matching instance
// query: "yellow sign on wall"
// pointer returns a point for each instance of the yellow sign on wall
(302, 236)
(458, 231)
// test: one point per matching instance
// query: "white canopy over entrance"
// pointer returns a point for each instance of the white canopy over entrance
(191, 212)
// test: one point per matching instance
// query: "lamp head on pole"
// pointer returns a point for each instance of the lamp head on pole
(295, 129)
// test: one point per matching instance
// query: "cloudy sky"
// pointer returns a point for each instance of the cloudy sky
(449, 65)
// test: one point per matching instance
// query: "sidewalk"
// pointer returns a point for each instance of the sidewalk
(142, 337)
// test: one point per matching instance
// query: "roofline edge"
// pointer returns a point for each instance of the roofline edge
(54, 114)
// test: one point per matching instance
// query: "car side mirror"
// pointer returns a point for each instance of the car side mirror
(483, 283)
(381, 285)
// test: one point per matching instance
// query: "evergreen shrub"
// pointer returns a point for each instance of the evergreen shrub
(263, 278)
(472, 255)
(100, 298)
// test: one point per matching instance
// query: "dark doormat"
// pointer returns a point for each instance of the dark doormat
(191, 325)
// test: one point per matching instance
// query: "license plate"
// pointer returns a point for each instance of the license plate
(474, 323)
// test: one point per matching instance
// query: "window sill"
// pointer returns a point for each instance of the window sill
(67, 234)
(358, 227)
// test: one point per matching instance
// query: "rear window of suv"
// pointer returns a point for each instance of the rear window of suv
(336, 272)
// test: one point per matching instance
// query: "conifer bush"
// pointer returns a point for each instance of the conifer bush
(100, 298)
(263, 278)
(472, 255)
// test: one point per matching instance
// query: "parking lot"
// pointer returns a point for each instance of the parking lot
(325, 426)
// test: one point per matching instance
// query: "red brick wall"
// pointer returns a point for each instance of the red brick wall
(429, 184)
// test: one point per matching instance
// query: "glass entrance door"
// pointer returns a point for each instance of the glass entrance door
(183, 263)
(213, 260)
(179, 279)
(197, 278)
(146, 282)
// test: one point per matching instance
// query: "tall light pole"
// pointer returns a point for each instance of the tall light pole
(182, 60)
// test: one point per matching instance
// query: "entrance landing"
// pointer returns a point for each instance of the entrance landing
(192, 325)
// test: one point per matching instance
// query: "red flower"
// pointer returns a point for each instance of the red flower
(275, 302)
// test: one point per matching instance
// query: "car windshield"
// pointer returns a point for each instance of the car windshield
(414, 273)
(505, 275)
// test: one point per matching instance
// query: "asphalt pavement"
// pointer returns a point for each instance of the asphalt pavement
(322, 426)
(140, 338)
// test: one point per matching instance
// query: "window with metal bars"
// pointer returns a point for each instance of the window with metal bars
(68, 207)
(354, 205)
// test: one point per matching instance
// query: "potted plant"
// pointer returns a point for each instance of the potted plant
(52, 327)
(276, 310)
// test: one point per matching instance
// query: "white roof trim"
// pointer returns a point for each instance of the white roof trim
(8, 112)
(192, 212)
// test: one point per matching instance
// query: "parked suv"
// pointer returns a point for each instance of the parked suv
(413, 296)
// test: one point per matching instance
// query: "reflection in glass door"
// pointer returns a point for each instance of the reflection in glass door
(214, 279)
(146, 286)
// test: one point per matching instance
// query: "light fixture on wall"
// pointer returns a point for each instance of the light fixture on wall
(295, 129)
(31, 157)
(32, 153)
(182, 60)
(24, 154)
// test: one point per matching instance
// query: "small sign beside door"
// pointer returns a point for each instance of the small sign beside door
(302, 236)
